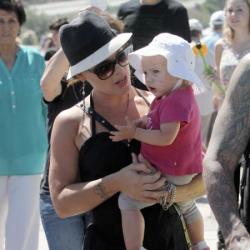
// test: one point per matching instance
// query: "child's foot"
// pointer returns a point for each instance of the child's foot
(199, 248)
(202, 245)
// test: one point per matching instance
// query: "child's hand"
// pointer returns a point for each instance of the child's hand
(126, 132)
(141, 122)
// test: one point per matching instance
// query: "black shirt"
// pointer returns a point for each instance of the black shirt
(70, 95)
(147, 21)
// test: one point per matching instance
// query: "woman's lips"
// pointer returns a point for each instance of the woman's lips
(122, 83)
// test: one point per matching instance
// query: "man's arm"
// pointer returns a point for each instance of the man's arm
(229, 139)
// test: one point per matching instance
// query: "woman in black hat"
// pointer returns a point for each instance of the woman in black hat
(88, 170)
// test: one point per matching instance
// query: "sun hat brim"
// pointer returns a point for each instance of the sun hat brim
(176, 67)
(100, 55)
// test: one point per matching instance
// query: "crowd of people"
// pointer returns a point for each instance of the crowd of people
(117, 125)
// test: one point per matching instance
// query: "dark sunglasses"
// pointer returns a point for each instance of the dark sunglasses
(106, 69)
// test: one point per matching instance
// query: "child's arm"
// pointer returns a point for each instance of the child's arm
(164, 136)
(141, 122)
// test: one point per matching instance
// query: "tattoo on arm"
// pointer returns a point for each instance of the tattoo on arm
(228, 142)
(101, 192)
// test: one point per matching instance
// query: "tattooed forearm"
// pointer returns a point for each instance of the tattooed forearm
(229, 139)
(101, 192)
(221, 195)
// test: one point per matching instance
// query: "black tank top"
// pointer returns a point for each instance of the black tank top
(100, 156)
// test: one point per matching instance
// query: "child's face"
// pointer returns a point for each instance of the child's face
(158, 80)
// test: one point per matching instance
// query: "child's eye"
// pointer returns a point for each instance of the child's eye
(156, 71)
(145, 73)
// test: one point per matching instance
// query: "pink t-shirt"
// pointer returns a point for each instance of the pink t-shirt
(184, 155)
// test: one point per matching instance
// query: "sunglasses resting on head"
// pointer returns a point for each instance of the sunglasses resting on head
(105, 69)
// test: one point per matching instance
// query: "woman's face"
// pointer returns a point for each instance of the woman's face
(9, 27)
(237, 14)
(118, 83)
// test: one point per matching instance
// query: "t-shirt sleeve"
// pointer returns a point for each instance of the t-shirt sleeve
(175, 108)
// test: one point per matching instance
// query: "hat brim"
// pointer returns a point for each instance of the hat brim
(175, 68)
(100, 55)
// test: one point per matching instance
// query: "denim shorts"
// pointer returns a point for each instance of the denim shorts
(61, 234)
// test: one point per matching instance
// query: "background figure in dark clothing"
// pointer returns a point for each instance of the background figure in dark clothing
(58, 95)
(147, 18)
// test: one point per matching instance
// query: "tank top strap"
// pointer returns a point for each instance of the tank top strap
(95, 117)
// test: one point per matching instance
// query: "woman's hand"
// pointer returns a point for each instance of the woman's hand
(138, 181)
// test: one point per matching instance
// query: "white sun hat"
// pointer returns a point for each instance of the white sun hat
(179, 56)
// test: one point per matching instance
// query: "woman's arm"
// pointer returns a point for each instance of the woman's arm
(69, 195)
(53, 74)
(192, 190)
(186, 192)
(218, 52)
(228, 142)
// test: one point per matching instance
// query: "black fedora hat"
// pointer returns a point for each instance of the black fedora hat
(88, 40)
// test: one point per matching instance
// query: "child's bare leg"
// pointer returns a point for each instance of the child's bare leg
(133, 228)
(196, 231)
(195, 225)
(196, 234)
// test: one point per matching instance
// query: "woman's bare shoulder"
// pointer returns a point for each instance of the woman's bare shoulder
(219, 45)
(67, 122)
(70, 116)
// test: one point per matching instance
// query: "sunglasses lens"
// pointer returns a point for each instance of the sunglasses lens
(122, 59)
(104, 70)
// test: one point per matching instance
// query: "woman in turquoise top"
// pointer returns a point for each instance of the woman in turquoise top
(22, 131)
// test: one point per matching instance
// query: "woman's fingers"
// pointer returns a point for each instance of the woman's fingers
(142, 168)
(147, 163)
(158, 185)
(152, 196)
